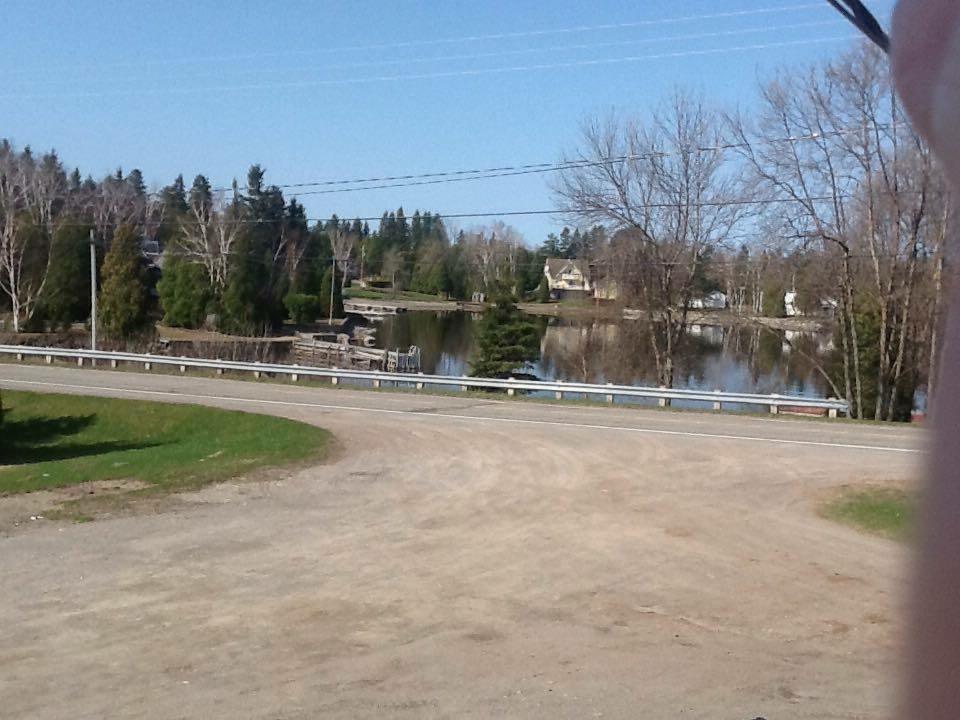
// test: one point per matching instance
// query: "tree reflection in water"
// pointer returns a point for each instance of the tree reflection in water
(733, 359)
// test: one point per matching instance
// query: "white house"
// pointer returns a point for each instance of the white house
(828, 306)
(567, 277)
(715, 300)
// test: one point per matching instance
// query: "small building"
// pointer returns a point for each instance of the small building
(715, 300)
(567, 278)
(791, 307)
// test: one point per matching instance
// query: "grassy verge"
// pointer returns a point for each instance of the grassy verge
(370, 294)
(52, 441)
(885, 511)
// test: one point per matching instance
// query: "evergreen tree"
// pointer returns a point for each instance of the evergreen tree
(66, 296)
(201, 193)
(135, 181)
(123, 294)
(174, 196)
(508, 341)
(184, 292)
(244, 311)
(551, 246)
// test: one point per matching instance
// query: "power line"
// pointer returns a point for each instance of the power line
(529, 168)
(300, 84)
(651, 22)
(738, 202)
(835, 22)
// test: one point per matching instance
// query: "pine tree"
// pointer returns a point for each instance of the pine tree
(123, 294)
(508, 341)
(175, 196)
(66, 296)
(184, 292)
(244, 309)
(135, 181)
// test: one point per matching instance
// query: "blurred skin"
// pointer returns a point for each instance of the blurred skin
(926, 59)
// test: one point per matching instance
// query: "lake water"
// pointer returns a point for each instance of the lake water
(731, 359)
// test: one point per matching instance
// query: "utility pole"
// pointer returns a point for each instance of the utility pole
(333, 284)
(93, 293)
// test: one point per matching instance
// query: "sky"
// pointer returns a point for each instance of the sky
(346, 89)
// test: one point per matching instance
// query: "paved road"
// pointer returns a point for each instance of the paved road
(465, 557)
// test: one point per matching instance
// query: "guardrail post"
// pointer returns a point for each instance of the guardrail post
(294, 377)
(774, 409)
(79, 362)
(559, 393)
(49, 359)
(334, 380)
(419, 384)
(147, 366)
(511, 391)
(219, 371)
(376, 384)
(464, 388)
(832, 412)
(19, 357)
(663, 402)
(717, 405)
(113, 362)
(610, 397)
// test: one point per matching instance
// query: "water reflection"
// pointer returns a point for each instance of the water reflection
(732, 359)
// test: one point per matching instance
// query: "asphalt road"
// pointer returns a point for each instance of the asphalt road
(469, 557)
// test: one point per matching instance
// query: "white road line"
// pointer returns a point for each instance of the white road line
(474, 418)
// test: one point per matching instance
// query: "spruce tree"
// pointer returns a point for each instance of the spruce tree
(508, 341)
(66, 296)
(184, 292)
(123, 293)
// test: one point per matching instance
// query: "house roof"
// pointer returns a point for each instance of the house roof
(556, 266)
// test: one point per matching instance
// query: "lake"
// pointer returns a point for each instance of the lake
(731, 359)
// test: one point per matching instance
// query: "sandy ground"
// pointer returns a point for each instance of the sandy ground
(467, 558)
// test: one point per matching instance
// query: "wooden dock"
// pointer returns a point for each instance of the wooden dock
(325, 351)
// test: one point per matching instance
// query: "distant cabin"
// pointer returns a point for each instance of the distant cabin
(791, 307)
(715, 300)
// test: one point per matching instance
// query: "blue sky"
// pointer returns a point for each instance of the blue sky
(367, 88)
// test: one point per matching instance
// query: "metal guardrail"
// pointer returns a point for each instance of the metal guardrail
(609, 392)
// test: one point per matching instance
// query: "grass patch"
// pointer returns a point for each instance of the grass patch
(52, 441)
(370, 294)
(885, 511)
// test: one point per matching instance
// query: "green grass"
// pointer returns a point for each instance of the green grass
(51, 441)
(370, 294)
(880, 510)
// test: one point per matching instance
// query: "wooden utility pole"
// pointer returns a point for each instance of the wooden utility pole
(93, 293)
(333, 285)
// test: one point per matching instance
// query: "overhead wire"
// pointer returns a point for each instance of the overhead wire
(301, 84)
(833, 22)
(460, 175)
(193, 59)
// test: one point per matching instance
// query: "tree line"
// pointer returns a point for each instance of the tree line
(825, 188)
(245, 257)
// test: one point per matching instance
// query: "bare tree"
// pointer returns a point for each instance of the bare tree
(208, 234)
(493, 252)
(858, 184)
(662, 188)
(31, 197)
(342, 242)
(392, 262)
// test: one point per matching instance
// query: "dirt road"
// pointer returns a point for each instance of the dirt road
(469, 559)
